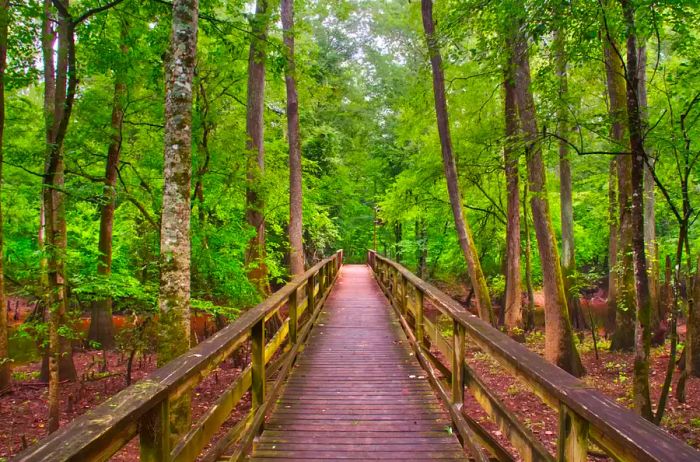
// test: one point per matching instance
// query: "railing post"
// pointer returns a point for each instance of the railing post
(321, 281)
(457, 365)
(404, 295)
(573, 436)
(420, 333)
(293, 304)
(310, 287)
(395, 287)
(154, 433)
(257, 352)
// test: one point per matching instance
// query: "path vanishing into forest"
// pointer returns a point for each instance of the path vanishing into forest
(357, 391)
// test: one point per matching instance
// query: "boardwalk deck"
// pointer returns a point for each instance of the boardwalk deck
(357, 392)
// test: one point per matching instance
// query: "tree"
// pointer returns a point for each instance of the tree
(559, 341)
(642, 335)
(174, 294)
(513, 302)
(464, 234)
(101, 328)
(296, 245)
(255, 145)
(5, 371)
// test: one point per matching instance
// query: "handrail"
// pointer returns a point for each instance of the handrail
(143, 408)
(584, 413)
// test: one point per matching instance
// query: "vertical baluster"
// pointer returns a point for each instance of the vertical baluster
(404, 295)
(293, 304)
(420, 332)
(321, 280)
(257, 353)
(457, 364)
(154, 433)
(573, 436)
(310, 287)
(395, 287)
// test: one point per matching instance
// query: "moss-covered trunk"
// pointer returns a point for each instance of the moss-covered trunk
(296, 245)
(559, 340)
(621, 297)
(174, 295)
(464, 234)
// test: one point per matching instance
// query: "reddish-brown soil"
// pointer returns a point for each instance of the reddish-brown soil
(23, 410)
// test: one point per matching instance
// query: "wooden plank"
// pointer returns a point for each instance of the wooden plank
(356, 382)
(154, 432)
(573, 437)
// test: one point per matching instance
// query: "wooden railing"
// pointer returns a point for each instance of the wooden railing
(585, 414)
(143, 408)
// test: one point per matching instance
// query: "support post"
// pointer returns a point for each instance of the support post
(154, 433)
(573, 436)
(293, 304)
(457, 365)
(257, 348)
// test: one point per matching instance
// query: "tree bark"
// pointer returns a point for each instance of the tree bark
(174, 294)
(101, 328)
(649, 201)
(296, 244)
(530, 313)
(692, 344)
(60, 360)
(255, 256)
(642, 334)
(513, 301)
(466, 241)
(5, 370)
(568, 255)
(559, 340)
(621, 299)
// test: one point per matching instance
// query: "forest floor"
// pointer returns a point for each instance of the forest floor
(24, 410)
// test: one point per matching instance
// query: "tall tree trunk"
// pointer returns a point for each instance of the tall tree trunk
(649, 201)
(5, 371)
(621, 300)
(559, 340)
(422, 248)
(612, 248)
(174, 294)
(296, 244)
(568, 256)
(203, 169)
(101, 328)
(60, 81)
(255, 256)
(642, 343)
(513, 302)
(464, 234)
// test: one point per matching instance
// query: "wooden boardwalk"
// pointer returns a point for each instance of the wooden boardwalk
(357, 392)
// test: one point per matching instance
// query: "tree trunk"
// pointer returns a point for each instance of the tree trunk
(466, 241)
(296, 245)
(5, 371)
(568, 256)
(642, 343)
(255, 256)
(612, 248)
(101, 328)
(174, 294)
(513, 300)
(692, 343)
(422, 248)
(621, 301)
(559, 340)
(60, 81)
(649, 201)
(530, 313)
